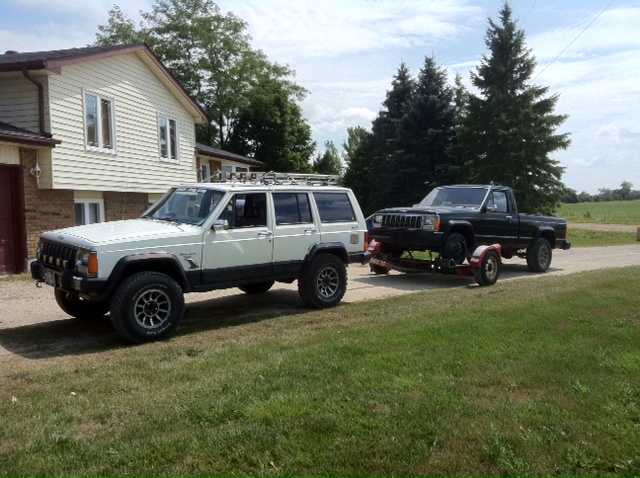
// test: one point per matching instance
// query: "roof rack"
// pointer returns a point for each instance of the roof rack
(271, 177)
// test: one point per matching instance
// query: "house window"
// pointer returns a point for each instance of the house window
(205, 171)
(168, 132)
(99, 122)
(89, 211)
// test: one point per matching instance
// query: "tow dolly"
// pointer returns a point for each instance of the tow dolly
(483, 264)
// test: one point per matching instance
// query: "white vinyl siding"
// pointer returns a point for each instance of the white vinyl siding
(9, 154)
(139, 97)
(19, 102)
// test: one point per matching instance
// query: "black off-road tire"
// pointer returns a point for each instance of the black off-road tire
(147, 306)
(539, 256)
(79, 308)
(455, 248)
(489, 270)
(257, 287)
(323, 281)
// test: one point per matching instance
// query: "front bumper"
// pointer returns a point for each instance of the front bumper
(88, 288)
(409, 238)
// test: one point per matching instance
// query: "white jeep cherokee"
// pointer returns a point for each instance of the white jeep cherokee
(230, 233)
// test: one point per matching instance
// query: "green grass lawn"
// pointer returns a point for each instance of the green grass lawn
(525, 378)
(612, 212)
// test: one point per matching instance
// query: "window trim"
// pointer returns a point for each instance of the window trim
(112, 126)
(85, 204)
(168, 159)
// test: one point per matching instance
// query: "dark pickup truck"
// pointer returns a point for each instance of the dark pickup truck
(453, 221)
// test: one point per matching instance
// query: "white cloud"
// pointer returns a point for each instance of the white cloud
(312, 29)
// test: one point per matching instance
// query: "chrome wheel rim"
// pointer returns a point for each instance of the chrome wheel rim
(328, 282)
(544, 255)
(491, 268)
(152, 308)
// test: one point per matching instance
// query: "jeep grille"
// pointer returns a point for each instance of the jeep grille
(57, 255)
(402, 220)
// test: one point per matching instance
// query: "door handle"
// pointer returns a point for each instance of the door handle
(264, 234)
(311, 230)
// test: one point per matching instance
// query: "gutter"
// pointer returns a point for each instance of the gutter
(43, 131)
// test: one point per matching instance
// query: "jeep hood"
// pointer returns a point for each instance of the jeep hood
(102, 233)
(425, 210)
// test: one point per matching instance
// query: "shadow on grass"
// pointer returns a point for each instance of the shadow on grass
(78, 337)
(213, 311)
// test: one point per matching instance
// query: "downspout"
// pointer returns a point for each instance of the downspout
(43, 132)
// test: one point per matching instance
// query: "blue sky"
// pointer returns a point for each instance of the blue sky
(346, 53)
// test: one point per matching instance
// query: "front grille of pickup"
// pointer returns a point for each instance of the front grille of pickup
(402, 220)
(57, 255)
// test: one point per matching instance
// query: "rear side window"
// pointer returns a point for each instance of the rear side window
(292, 208)
(334, 207)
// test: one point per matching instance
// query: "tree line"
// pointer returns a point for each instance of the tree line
(427, 132)
(624, 193)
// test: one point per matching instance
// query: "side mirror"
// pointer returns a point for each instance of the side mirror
(491, 208)
(220, 225)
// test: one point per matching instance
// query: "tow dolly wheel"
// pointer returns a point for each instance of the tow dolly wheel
(489, 270)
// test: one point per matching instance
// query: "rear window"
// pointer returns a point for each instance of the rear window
(292, 208)
(334, 207)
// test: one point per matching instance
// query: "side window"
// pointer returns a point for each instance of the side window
(334, 207)
(292, 208)
(168, 134)
(99, 122)
(246, 210)
(500, 200)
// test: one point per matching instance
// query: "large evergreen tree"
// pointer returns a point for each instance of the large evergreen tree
(384, 140)
(508, 130)
(424, 133)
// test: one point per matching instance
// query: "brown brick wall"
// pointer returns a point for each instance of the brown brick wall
(118, 205)
(44, 209)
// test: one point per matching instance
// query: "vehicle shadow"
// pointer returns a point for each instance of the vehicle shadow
(224, 309)
(68, 337)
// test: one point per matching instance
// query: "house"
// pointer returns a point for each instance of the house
(92, 134)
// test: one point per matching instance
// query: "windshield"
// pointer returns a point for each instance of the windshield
(454, 197)
(186, 205)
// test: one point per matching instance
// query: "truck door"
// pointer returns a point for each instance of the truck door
(242, 250)
(499, 222)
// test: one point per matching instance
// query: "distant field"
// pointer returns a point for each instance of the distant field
(613, 212)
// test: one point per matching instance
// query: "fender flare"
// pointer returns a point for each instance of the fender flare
(336, 248)
(165, 259)
(545, 232)
(463, 227)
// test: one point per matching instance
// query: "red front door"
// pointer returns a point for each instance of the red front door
(11, 221)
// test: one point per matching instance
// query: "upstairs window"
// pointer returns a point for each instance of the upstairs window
(99, 122)
(168, 133)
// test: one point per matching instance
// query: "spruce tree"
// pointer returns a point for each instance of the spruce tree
(508, 130)
(423, 136)
(383, 142)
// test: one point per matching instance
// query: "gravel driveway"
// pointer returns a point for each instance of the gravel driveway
(24, 307)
